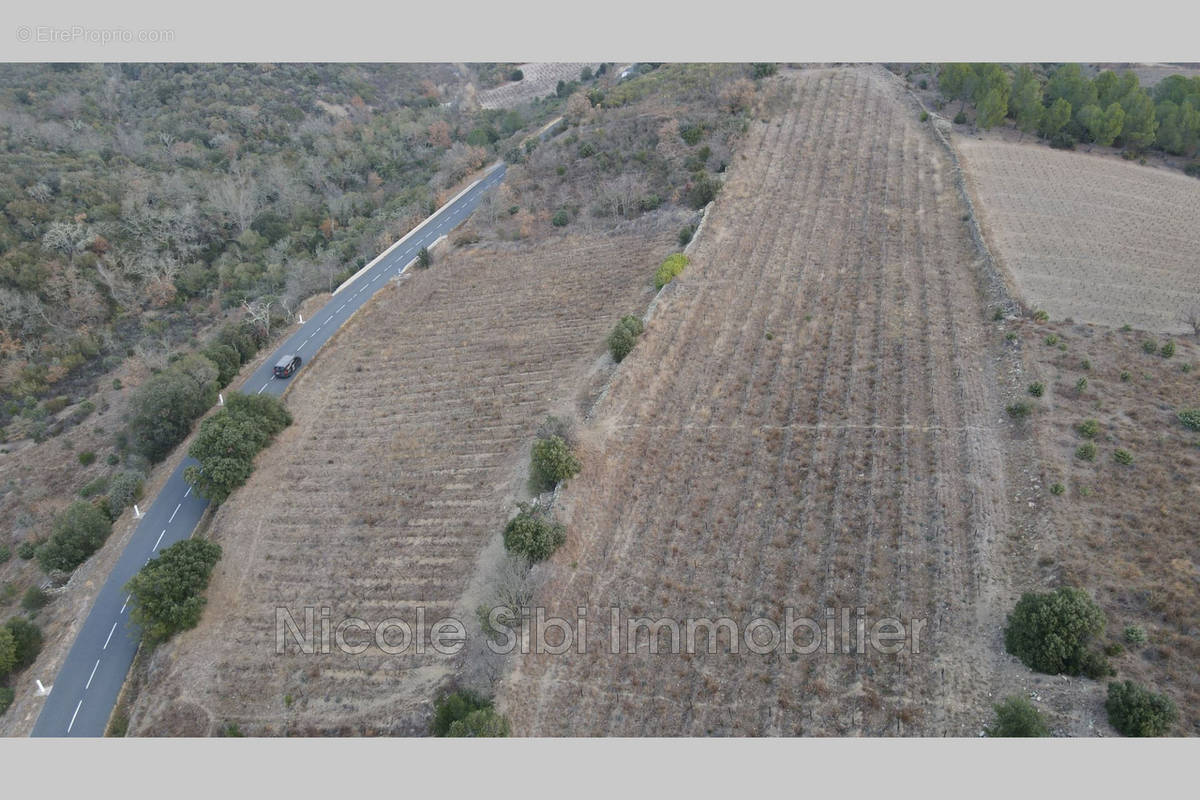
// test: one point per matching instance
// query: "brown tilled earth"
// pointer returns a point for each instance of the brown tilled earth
(1090, 238)
(813, 419)
(411, 438)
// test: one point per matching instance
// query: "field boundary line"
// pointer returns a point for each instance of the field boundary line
(995, 277)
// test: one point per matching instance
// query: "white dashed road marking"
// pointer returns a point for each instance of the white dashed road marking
(89, 683)
(73, 716)
(156, 544)
(189, 491)
(173, 513)
(109, 639)
(260, 391)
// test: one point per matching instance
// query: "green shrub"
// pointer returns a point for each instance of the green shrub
(1057, 489)
(701, 190)
(685, 235)
(8, 652)
(424, 259)
(1019, 410)
(552, 461)
(1037, 388)
(1081, 385)
(560, 218)
(27, 641)
(1052, 632)
(1041, 316)
(1150, 346)
(227, 360)
(1016, 717)
(77, 533)
(960, 118)
(1134, 710)
(116, 384)
(7, 696)
(1134, 635)
(482, 722)
(35, 598)
(113, 459)
(166, 592)
(87, 458)
(5, 553)
(1051, 339)
(123, 491)
(27, 549)
(229, 440)
(1086, 364)
(924, 116)
(624, 336)
(1190, 417)
(671, 267)
(455, 706)
(165, 406)
(57, 404)
(532, 535)
(1086, 451)
(516, 75)
(1167, 350)
(1088, 428)
(1125, 376)
(1122, 456)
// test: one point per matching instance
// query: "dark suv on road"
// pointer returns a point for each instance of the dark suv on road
(286, 367)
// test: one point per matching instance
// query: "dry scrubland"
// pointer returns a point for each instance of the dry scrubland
(812, 419)
(1088, 238)
(411, 437)
(1127, 533)
(539, 80)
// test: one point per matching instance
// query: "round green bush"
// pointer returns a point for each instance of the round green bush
(530, 534)
(1134, 710)
(560, 218)
(1051, 632)
(1016, 717)
(552, 462)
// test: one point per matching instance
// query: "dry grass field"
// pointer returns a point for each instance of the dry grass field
(812, 419)
(539, 81)
(1088, 238)
(1127, 533)
(411, 437)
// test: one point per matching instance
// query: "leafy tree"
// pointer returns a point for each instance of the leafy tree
(1134, 710)
(7, 696)
(532, 535)
(624, 336)
(1016, 717)
(226, 359)
(990, 77)
(552, 461)
(1069, 83)
(1110, 125)
(166, 405)
(123, 490)
(957, 82)
(167, 591)
(1051, 633)
(1026, 102)
(1108, 88)
(424, 259)
(480, 722)
(229, 440)
(8, 652)
(672, 266)
(992, 109)
(1178, 127)
(1140, 123)
(27, 641)
(1055, 117)
(455, 706)
(77, 533)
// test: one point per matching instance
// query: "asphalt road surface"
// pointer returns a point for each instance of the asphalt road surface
(87, 685)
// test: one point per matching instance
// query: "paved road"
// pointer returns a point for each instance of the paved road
(90, 679)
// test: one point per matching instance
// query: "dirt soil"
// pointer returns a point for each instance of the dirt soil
(1126, 533)
(411, 439)
(814, 419)
(539, 80)
(1090, 238)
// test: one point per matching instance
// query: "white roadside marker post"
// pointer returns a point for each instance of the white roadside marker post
(137, 512)
(220, 399)
(300, 317)
(42, 691)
